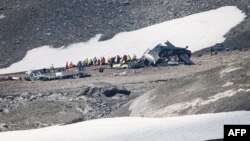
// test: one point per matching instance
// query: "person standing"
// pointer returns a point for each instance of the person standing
(80, 65)
(95, 61)
(86, 62)
(129, 58)
(90, 62)
(67, 65)
(71, 65)
(125, 59)
(52, 68)
(134, 57)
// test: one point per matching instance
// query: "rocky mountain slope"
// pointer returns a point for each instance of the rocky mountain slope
(222, 89)
(32, 23)
(215, 84)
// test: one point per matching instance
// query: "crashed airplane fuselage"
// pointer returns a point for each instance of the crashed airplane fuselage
(162, 55)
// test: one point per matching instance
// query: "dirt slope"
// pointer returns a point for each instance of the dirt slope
(221, 89)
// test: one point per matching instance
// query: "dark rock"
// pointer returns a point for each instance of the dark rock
(218, 1)
(33, 97)
(124, 2)
(55, 96)
(105, 37)
(3, 8)
(75, 121)
(102, 88)
(6, 111)
(35, 125)
(40, 95)
(9, 97)
(3, 126)
(25, 95)
(17, 41)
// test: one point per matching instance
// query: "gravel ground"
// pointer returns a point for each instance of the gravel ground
(144, 77)
(221, 89)
(36, 104)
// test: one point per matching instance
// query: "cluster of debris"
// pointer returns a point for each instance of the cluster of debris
(31, 76)
(161, 55)
(164, 55)
(5, 78)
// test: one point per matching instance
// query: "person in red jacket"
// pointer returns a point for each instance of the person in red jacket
(71, 65)
(102, 61)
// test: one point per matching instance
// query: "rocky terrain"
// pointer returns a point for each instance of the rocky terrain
(221, 89)
(217, 83)
(33, 23)
(34, 110)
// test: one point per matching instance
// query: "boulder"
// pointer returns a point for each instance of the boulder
(3, 126)
(103, 89)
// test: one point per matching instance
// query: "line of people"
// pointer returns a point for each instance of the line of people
(101, 61)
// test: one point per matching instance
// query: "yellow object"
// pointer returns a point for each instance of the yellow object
(117, 66)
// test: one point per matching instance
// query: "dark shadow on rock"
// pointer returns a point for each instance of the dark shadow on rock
(103, 88)
(75, 121)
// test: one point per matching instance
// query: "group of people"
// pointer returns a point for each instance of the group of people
(101, 61)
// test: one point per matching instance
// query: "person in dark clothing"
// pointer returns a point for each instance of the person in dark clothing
(110, 62)
(95, 61)
(80, 66)
(67, 66)
(117, 59)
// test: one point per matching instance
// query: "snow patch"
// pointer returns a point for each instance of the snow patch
(227, 84)
(194, 127)
(2, 16)
(197, 31)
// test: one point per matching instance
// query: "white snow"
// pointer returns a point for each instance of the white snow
(2, 16)
(197, 31)
(227, 84)
(188, 128)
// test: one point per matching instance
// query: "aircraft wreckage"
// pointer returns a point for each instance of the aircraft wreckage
(164, 55)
